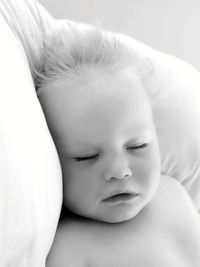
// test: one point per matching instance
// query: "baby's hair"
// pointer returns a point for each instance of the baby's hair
(66, 51)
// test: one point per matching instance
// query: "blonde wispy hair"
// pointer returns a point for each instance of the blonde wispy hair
(66, 51)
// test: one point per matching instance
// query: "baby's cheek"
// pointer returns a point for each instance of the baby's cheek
(148, 168)
(76, 181)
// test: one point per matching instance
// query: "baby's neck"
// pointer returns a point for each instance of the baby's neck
(69, 217)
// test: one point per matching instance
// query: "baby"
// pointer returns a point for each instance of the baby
(122, 211)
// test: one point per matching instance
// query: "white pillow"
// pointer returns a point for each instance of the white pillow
(30, 173)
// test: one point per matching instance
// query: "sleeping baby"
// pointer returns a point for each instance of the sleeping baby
(119, 210)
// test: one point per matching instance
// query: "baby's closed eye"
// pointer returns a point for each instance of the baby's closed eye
(141, 146)
(86, 157)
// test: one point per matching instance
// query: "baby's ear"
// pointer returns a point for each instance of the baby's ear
(146, 67)
(143, 65)
(147, 75)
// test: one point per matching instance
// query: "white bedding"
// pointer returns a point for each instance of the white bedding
(30, 174)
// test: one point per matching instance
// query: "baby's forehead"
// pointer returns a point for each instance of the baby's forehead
(100, 84)
(88, 79)
(104, 111)
(95, 91)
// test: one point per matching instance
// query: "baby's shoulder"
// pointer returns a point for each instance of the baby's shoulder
(174, 193)
(69, 246)
(176, 203)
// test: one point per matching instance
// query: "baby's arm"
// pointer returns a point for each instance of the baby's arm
(185, 220)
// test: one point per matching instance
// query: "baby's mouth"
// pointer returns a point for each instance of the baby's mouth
(120, 198)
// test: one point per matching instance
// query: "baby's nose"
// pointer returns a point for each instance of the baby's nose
(118, 171)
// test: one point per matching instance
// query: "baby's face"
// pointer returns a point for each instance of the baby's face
(107, 146)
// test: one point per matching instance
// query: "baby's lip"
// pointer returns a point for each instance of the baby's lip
(117, 197)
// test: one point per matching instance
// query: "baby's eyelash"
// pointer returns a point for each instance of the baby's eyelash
(85, 158)
(138, 146)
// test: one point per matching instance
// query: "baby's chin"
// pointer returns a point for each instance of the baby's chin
(114, 218)
(119, 219)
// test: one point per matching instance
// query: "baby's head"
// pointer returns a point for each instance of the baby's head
(100, 118)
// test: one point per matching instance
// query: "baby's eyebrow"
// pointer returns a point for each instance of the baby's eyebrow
(81, 146)
(142, 137)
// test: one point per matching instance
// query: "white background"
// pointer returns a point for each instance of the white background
(172, 26)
